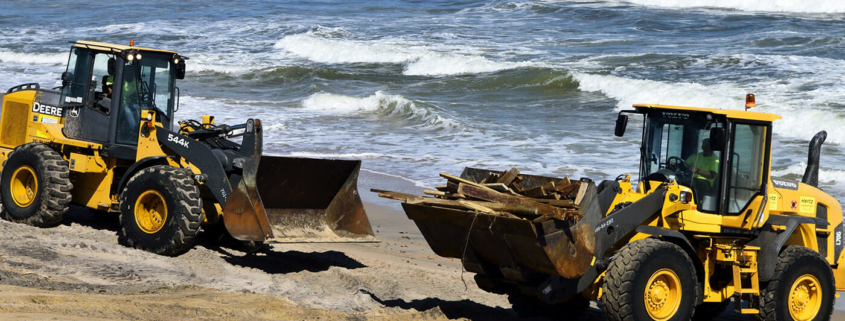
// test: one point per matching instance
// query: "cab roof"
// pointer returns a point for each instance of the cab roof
(118, 48)
(733, 114)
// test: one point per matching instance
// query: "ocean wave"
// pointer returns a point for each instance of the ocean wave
(806, 6)
(221, 68)
(827, 176)
(33, 58)
(798, 116)
(541, 80)
(380, 103)
(418, 59)
(633, 91)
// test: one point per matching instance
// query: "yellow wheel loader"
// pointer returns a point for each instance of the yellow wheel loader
(106, 139)
(706, 224)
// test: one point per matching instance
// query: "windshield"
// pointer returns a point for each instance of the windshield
(677, 147)
(147, 85)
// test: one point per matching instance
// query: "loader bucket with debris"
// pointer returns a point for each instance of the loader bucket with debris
(499, 243)
(299, 200)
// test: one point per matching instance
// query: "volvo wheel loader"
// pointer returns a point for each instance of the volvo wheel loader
(106, 140)
(706, 224)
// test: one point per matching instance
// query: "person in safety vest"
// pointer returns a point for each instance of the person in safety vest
(704, 166)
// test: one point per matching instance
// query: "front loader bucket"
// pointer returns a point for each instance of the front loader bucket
(496, 245)
(312, 200)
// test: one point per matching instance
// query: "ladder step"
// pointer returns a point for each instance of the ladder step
(746, 291)
(749, 311)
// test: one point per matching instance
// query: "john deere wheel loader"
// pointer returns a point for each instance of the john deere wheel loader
(107, 140)
(706, 223)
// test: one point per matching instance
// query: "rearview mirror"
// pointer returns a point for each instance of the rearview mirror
(717, 139)
(621, 124)
(65, 79)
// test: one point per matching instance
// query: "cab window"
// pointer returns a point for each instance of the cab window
(678, 149)
(746, 165)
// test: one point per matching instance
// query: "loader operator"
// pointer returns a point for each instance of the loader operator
(704, 167)
(107, 86)
(131, 104)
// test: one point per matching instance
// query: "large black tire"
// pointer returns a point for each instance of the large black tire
(150, 192)
(35, 186)
(710, 310)
(650, 264)
(795, 262)
(526, 307)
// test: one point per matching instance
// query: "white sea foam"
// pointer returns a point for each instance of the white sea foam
(827, 176)
(32, 58)
(631, 91)
(431, 65)
(223, 68)
(801, 119)
(380, 103)
(336, 51)
(805, 6)
(338, 155)
(419, 59)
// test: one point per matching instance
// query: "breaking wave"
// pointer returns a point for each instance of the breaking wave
(380, 103)
(418, 59)
(33, 58)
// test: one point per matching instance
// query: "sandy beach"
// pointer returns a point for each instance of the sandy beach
(78, 271)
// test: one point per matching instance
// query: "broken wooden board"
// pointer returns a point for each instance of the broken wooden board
(509, 177)
(499, 187)
(473, 191)
(396, 195)
(464, 181)
(540, 191)
(581, 191)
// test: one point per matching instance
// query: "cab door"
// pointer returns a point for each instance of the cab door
(745, 174)
(86, 110)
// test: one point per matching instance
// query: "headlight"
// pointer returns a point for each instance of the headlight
(686, 197)
(130, 57)
(138, 56)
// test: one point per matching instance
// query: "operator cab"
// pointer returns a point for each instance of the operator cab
(106, 87)
(722, 158)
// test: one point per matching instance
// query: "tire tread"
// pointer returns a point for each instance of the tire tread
(55, 199)
(189, 211)
(618, 298)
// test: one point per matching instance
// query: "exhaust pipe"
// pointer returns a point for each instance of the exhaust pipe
(811, 174)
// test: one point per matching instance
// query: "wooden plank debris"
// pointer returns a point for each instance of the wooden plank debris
(509, 177)
(501, 194)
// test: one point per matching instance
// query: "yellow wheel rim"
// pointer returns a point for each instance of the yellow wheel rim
(24, 186)
(663, 295)
(805, 298)
(150, 211)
